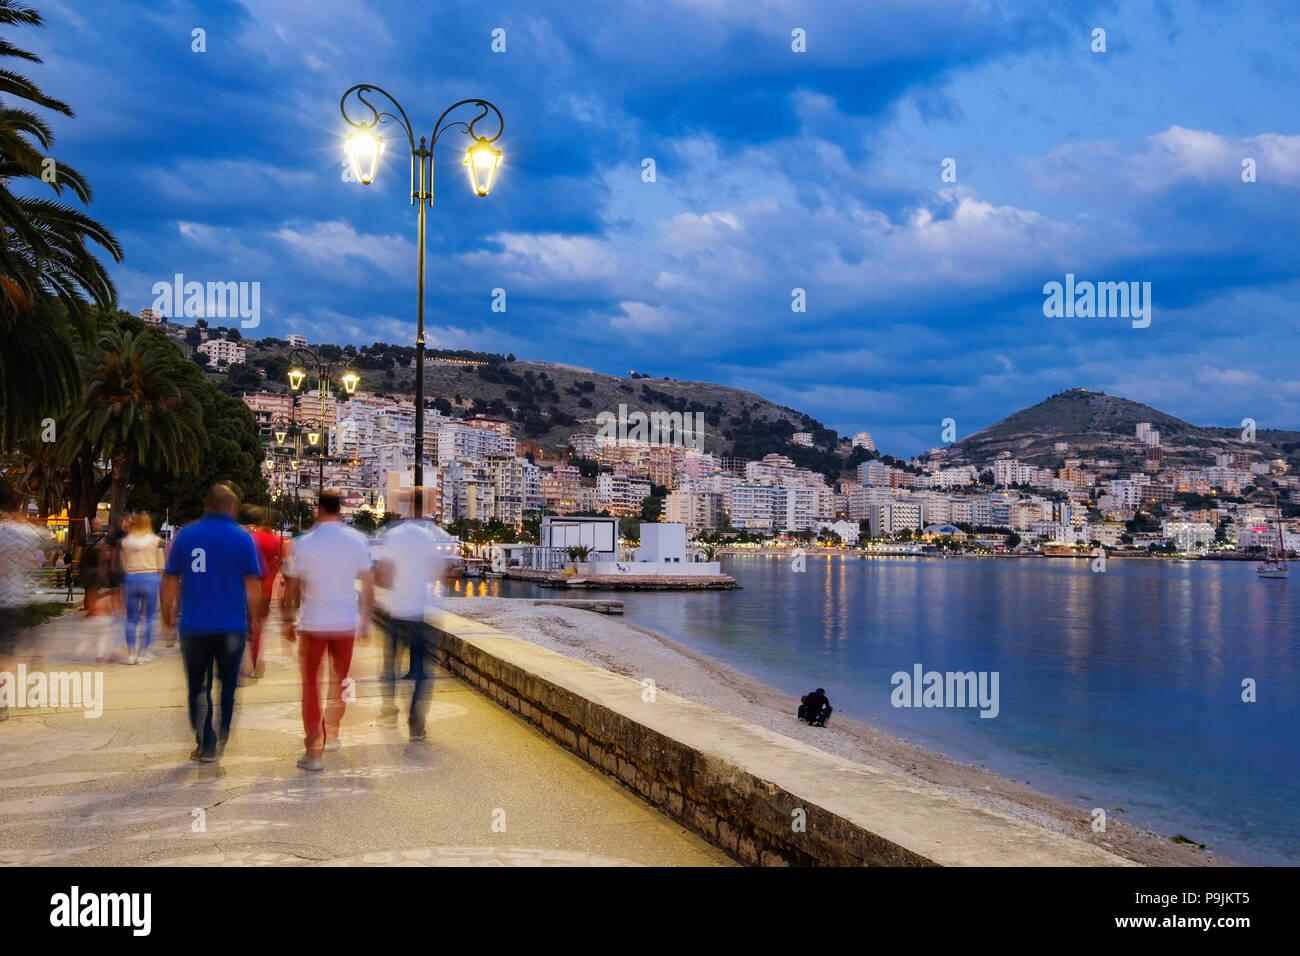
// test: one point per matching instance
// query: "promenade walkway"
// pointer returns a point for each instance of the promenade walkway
(485, 789)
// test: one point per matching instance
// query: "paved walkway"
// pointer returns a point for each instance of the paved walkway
(484, 790)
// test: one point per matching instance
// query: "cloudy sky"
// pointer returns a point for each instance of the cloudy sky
(775, 170)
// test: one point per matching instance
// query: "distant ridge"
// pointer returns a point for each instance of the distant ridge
(1093, 424)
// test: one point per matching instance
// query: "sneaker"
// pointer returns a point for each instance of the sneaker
(417, 736)
(203, 756)
(146, 658)
(332, 744)
(308, 762)
(131, 659)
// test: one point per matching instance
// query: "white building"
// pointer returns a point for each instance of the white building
(1188, 535)
(219, 350)
(295, 340)
(863, 440)
(802, 438)
(620, 494)
(894, 516)
(662, 543)
(847, 530)
(476, 444)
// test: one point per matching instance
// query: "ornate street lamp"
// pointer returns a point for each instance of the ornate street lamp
(364, 147)
(286, 428)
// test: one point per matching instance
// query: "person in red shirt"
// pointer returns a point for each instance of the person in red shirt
(270, 551)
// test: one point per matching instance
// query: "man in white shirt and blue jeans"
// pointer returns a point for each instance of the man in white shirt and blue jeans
(321, 575)
(410, 561)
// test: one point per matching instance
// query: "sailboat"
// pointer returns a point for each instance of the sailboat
(1275, 566)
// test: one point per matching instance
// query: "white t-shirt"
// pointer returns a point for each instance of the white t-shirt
(326, 561)
(413, 550)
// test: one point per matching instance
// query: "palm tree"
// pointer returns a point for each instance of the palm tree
(139, 408)
(578, 553)
(41, 476)
(49, 276)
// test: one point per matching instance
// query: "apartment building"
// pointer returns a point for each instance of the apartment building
(620, 494)
(699, 511)
(219, 351)
(462, 441)
(893, 516)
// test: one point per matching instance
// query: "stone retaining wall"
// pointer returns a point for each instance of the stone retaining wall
(764, 798)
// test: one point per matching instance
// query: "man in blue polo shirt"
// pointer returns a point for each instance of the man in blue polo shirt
(213, 567)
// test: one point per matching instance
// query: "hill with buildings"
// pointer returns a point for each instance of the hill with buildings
(544, 402)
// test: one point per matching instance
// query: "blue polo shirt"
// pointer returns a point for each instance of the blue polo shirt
(212, 557)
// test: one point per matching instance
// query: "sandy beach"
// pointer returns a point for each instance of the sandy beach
(625, 648)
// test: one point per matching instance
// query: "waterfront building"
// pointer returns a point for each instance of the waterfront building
(891, 517)
(697, 510)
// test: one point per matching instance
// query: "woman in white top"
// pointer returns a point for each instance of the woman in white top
(142, 563)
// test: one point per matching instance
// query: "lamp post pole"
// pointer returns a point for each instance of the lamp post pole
(482, 160)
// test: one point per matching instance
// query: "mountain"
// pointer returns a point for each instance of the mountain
(1093, 424)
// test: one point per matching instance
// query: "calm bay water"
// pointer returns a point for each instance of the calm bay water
(1120, 689)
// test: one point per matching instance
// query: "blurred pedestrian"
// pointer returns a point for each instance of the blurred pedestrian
(408, 565)
(19, 539)
(141, 554)
(115, 577)
(213, 570)
(270, 549)
(321, 577)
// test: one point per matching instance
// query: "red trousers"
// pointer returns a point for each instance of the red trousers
(315, 645)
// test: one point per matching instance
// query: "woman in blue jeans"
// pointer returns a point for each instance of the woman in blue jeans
(142, 563)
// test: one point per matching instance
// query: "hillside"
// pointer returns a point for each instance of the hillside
(547, 402)
(1094, 424)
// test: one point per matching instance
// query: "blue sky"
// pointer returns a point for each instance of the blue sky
(776, 170)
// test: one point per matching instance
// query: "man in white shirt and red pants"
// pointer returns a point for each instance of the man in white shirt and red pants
(321, 575)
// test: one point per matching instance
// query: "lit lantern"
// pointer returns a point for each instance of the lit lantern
(482, 161)
(363, 148)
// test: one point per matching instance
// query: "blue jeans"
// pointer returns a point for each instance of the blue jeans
(414, 635)
(204, 653)
(141, 590)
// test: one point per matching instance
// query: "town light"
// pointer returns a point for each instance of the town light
(482, 161)
(313, 437)
(363, 148)
(350, 380)
(295, 378)
(280, 437)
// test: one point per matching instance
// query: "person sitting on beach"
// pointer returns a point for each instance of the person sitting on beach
(815, 708)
